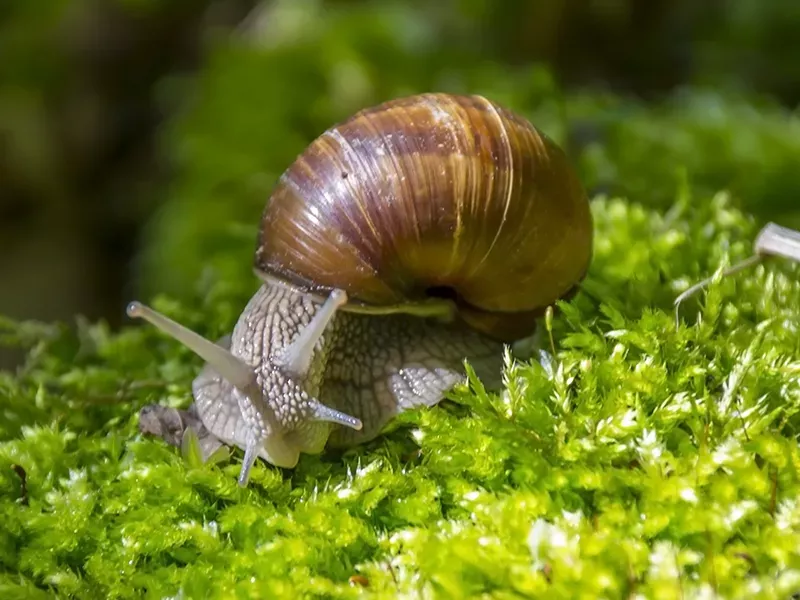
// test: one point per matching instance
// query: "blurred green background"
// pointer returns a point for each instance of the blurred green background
(139, 139)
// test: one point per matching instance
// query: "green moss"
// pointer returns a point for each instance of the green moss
(654, 460)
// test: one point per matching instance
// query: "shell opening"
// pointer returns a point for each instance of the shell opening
(443, 292)
(506, 327)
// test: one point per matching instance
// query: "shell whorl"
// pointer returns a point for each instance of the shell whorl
(433, 191)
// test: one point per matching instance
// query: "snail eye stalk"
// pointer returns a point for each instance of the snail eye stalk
(296, 359)
(772, 240)
(226, 364)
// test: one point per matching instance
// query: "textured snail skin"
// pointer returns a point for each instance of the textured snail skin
(366, 366)
(433, 191)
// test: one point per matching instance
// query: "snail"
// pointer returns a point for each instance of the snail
(417, 234)
(773, 240)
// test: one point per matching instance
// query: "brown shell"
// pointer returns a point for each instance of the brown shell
(429, 193)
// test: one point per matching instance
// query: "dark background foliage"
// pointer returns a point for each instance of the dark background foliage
(139, 139)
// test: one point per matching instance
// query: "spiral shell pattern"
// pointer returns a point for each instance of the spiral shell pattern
(428, 193)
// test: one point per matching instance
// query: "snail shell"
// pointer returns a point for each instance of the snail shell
(432, 195)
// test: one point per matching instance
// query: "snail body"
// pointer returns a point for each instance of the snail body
(416, 234)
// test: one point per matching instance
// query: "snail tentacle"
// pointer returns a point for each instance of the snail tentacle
(233, 369)
(778, 241)
(321, 412)
(296, 359)
(772, 240)
(251, 450)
